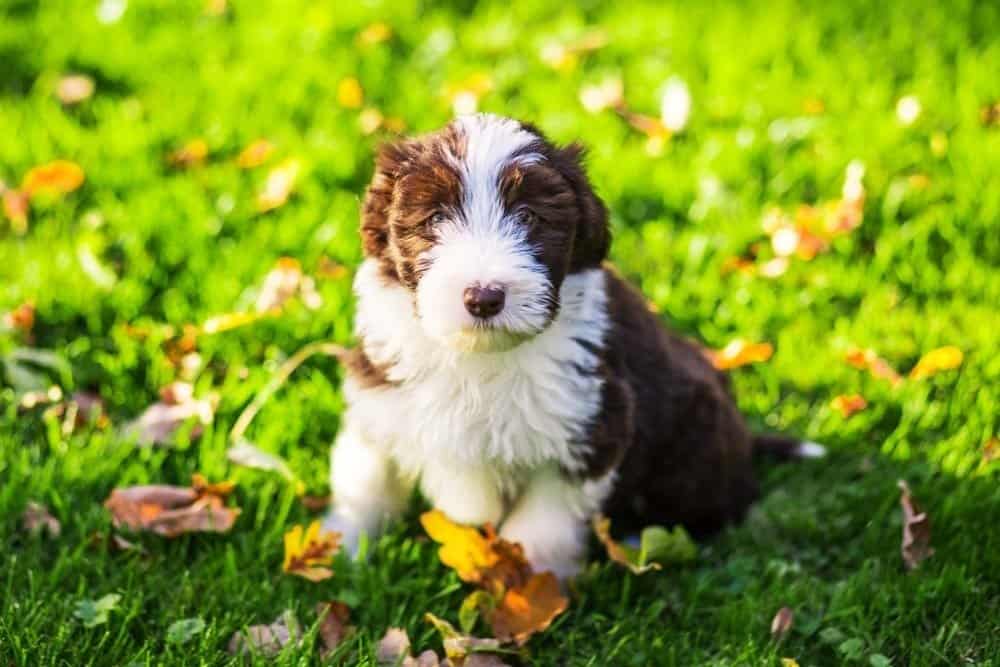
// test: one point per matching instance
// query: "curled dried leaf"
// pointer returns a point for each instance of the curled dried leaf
(37, 519)
(782, 622)
(463, 548)
(527, 610)
(177, 406)
(393, 647)
(267, 640)
(170, 510)
(333, 626)
(309, 552)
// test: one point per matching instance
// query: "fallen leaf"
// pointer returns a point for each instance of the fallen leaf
(191, 154)
(393, 648)
(328, 269)
(463, 548)
(333, 627)
(657, 546)
(74, 88)
(245, 454)
(161, 419)
(255, 154)
(172, 510)
(96, 612)
(870, 361)
(782, 622)
(184, 630)
(309, 552)
(59, 177)
(456, 645)
(350, 95)
(528, 610)
(21, 318)
(266, 640)
(848, 404)
(941, 359)
(285, 281)
(476, 603)
(37, 519)
(740, 352)
(789, 662)
(916, 545)
(278, 185)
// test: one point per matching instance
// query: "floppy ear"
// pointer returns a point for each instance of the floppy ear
(378, 199)
(593, 237)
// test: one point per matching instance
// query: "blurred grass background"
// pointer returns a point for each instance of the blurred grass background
(785, 96)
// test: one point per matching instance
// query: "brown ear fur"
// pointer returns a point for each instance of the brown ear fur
(378, 199)
(593, 237)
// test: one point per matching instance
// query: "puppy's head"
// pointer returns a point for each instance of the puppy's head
(481, 222)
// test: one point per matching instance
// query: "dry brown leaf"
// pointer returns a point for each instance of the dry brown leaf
(944, 358)
(191, 154)
(333, 625)
(394, 646)
(173, 510)
(37, 519)
(525, 611)
(309, 552)
(177, 405)
(740, 352)
(782, 622)
(870, 361)
(266, 640)
(848, 404)
(74, 88)
(616, 552)
(279, 185)
(916, 545)
(59, 177)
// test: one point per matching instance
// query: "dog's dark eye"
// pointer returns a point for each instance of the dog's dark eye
(529, 219)
(437, 218)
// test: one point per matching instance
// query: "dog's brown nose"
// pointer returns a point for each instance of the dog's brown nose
(483, 301)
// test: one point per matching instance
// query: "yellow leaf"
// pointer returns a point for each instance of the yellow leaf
(59, 176)
(350, 95)
(740, 352)
(463, 548)
(255, 154)
(278, 186)
(789, 662)
(616, 552)
(376, 33)
(309, 552)
(870, 361)
(190, 154)
(942, 359)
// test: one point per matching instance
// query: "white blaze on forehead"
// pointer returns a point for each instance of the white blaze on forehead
(484, 243)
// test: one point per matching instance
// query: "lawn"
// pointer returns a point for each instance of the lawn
(784, 97)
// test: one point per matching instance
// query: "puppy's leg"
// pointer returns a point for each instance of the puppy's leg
(550, 520)
(466, 495)
(367, 490)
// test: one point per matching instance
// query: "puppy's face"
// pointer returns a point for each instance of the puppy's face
(481, 222)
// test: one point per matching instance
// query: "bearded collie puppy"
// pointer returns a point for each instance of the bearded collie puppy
(510, 374)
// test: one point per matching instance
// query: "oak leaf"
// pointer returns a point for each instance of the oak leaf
(309, 552)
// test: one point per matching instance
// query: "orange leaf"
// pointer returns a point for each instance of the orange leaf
(255, 154)
(524, 611)
(22, 318)
(15, 207)
(738, 353)
(309, 552)
(942, 359)
(278, 186)
(870, 361)
(169, 510)
(190, 154)
(848, 404)
(59, 176)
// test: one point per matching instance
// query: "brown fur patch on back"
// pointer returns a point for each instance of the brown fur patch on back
(364, 371)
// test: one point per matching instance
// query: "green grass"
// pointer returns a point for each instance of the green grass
(183, 245)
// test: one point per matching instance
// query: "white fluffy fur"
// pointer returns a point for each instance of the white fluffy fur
(473, 427)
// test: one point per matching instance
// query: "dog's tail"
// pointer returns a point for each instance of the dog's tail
(784, 448)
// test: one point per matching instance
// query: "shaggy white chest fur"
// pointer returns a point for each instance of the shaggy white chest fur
(507, 411)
